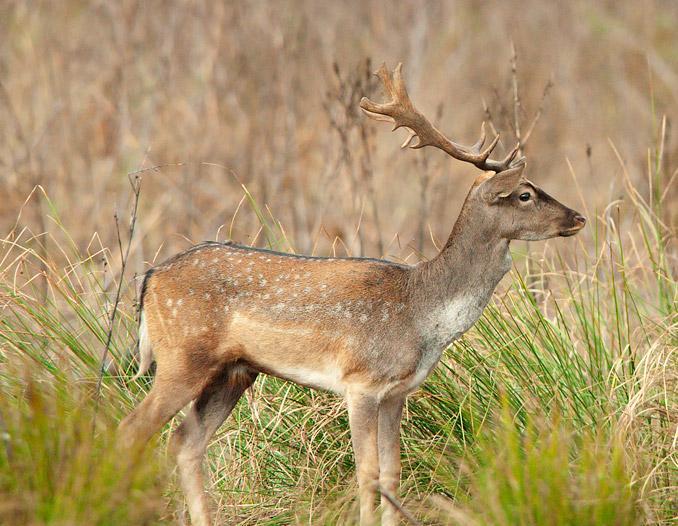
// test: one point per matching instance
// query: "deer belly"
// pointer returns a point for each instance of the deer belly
(327, 378)
(303, 355)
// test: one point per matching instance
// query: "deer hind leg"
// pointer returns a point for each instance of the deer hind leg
(363, 415)
(189, 442)
(390, 413)
(171, 392)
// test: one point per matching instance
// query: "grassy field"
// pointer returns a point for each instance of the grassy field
(558, 407)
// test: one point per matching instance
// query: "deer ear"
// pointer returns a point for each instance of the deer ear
(502, 183)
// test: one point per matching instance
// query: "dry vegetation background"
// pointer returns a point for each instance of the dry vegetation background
(245, 92)
(573, 364)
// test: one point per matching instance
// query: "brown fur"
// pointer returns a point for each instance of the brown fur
(223, 302)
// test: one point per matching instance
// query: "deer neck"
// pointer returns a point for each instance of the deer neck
(474, 258)
(456, 285)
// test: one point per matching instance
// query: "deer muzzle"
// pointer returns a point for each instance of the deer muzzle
(577, 222)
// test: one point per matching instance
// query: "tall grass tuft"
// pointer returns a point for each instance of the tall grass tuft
(545, 473)
(57, 467)
(58, 458)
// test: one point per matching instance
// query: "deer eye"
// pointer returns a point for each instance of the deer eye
(524, 196)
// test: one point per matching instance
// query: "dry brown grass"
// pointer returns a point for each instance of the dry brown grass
(242, 92)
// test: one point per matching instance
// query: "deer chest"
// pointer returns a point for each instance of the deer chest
(446, 323)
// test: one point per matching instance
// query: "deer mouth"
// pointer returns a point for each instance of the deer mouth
(571, 231)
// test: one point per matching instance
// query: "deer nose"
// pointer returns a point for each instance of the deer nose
(580, 219)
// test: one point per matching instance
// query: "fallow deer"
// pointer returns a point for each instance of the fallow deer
(218, 314)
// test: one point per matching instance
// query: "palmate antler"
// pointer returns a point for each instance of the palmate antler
(402, 113)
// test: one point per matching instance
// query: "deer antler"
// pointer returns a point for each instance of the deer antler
(402, 113)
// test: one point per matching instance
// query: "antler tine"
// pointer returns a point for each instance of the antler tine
(510, 160)
(386, 78)
(479, 143)
(407, 142)
(395, 89)
(378, 116)
(400, 95)
(401, 112)
(507, 162)
(476, 149)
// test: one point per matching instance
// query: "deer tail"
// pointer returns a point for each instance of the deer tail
(145, 351)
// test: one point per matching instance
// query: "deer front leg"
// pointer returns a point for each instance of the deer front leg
(363, 412)
(390, 413)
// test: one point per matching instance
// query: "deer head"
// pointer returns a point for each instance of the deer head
(502, 200)
(518, 209)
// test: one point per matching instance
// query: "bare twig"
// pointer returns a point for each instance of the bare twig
(489, 119)
(537, 115)
(513, 118)
(355, 155)
(135, 182)
(516, 96)
(396, 503)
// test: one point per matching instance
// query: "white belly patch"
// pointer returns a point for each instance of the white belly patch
(328, 378)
